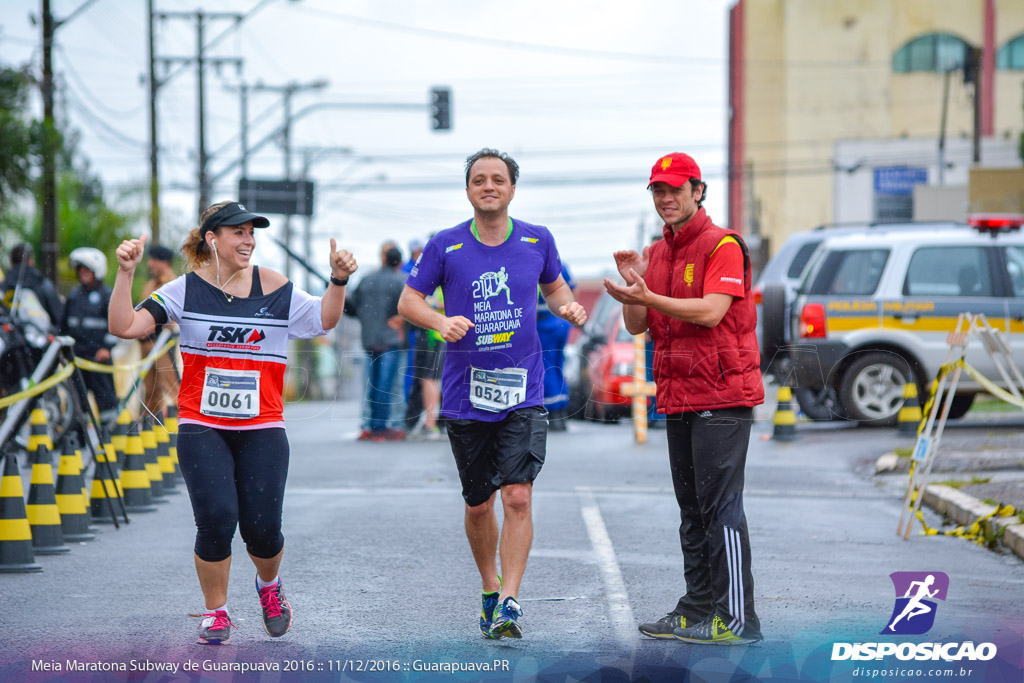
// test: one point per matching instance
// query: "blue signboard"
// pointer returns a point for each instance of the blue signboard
(899, 181)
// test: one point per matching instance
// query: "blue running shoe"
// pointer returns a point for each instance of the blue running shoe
(487, 613)
(506, 623)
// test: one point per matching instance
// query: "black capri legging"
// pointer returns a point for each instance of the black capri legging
(235, 478)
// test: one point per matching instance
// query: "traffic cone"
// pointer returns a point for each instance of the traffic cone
(171, 422)
(135, 481)
(41, 508)
(785, 417)
(15, 532)
(119, 435)
(156, 477)
(40, 434)
(103, 487)
(910, 414)
(71, 503)
(163, 456)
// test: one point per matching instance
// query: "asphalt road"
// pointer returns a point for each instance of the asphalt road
(378, 569)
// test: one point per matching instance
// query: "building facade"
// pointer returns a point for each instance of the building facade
(810, 80)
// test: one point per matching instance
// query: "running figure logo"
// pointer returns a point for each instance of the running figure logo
(491, 284)
(916, 592)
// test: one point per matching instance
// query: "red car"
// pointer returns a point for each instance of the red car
(608, 365)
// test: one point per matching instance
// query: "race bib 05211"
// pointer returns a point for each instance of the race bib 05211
(497, 390)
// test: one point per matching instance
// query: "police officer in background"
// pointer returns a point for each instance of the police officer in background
(85, 319)
(160, 386)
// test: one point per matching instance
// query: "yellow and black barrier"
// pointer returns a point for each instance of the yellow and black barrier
(72, 503)
(135, 481)
(15, 533)
(149, 449)
(104, 490)
(908, 422)
(41, 507)
(163, 456)
(784, 422)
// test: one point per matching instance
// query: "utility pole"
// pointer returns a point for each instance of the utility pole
(287, 91)
(942, 127)
(50, 245)
(972, 74)
(201, 60)
(154, 168)
(50, 242)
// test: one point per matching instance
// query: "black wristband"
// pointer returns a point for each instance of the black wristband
(338, 283)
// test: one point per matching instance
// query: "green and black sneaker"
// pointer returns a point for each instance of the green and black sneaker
(506, 620)
(663, 628)
(713, 632)
(487, 613)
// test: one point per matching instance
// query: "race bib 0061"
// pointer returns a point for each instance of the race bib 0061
(231, 393)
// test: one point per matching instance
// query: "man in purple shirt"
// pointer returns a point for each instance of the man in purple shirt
(493, 380)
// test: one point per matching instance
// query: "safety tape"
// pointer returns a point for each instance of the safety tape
(65, 372)
(93, 366)
(973, 532)
(46, 384)
(992, 388)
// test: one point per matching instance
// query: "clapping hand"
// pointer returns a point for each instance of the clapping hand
(630, 260)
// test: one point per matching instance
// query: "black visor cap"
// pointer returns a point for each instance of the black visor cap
(234, 213)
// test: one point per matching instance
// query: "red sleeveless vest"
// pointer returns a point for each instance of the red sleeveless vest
(701, 368)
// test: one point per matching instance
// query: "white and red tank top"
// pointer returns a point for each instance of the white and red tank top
(234, 351)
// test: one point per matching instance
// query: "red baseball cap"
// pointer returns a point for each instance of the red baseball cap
(675, 169)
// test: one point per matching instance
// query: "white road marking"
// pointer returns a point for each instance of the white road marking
(619, 610)
(603, 490)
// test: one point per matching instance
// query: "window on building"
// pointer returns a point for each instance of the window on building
(932, 52)
(1011, 55)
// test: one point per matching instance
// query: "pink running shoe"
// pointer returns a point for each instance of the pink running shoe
(215, 628)
(277, 613)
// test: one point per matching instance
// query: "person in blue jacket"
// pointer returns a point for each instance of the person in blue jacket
(554, 335)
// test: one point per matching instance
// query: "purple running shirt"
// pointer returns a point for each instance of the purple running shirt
(496, 289)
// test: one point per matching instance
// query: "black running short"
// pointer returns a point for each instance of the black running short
(490, 455)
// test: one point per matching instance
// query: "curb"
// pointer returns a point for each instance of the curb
(966, 509)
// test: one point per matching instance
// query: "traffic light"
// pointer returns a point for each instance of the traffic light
(440, 108)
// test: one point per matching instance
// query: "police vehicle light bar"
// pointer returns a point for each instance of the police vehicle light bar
(995, 222)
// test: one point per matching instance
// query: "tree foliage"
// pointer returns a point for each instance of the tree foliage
(16, 136)
(84, 218)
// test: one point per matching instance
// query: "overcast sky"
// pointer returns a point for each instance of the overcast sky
(575, 91)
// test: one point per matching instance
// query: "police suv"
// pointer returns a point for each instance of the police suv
(874, 311)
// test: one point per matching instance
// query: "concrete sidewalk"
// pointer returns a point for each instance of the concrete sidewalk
(978, 468)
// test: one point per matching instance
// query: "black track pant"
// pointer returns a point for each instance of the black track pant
(707, 452)
(235, 478)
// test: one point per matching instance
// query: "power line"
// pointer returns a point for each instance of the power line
(96, 101)
(498, 42)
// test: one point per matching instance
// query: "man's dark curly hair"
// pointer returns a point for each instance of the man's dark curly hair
(513, 167)
(694, 184)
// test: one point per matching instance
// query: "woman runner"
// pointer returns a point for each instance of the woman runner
(236, 320)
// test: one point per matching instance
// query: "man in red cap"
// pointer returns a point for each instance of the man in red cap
(691, 289)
